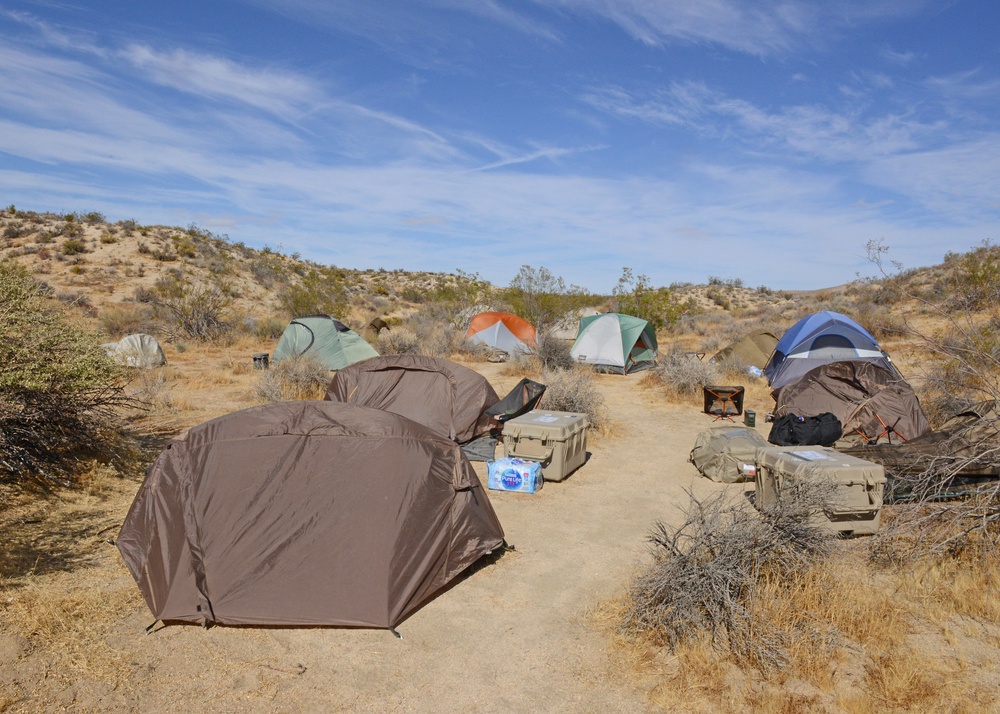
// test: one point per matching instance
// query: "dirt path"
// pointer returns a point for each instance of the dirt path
(514, 636)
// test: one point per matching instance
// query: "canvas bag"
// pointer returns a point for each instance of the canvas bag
(727, 453)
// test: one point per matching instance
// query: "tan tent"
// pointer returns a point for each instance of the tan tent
(865, 397)
(751, 350)
(305, 513)
(443, 396)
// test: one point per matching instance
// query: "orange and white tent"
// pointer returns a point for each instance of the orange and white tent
(503, 331)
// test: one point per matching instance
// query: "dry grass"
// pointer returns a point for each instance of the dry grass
(291, 379)
(69, 615)
(853, 650)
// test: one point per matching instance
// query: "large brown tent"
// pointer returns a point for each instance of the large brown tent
(867, 399)
(305, 513)
(435, 392)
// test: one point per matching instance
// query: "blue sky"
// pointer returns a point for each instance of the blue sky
(766, 141)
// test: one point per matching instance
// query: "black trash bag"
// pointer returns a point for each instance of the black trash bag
(793, 430)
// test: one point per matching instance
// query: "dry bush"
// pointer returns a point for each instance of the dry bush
(435, 334)
(683, 375)
(268, 328)
(296, 378)
(151, 388)
(708, 572)
(399, 341)
(127, 319)
(554, 353)
(574, 390)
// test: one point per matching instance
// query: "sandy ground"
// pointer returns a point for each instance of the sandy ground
(517, 635)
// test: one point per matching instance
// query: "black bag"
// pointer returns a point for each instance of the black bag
(792, 430)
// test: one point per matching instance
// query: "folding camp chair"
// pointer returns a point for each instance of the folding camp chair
(887, 431)
(719, 399)
(520, 400)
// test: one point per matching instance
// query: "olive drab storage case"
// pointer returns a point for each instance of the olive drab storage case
(860, 484)
(556, 439)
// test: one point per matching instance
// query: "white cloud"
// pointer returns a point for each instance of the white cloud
(275, 91)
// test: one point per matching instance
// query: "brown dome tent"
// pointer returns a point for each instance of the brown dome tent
(305, 513)
(443, 396)
(866, 397)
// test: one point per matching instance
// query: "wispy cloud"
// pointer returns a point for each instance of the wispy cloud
(213, 77)
(809, 130)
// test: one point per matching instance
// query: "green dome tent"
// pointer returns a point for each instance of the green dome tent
(329, 340)
(615, 343)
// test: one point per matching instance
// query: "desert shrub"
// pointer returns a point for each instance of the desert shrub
(126, 319)
(318, 293)
(14, 230)
(302, 377)
(683, 374)
(58, 390)
(108, 238)
(73, 246)
(658, 306)
(269, 328)
(707, 572)
(554, 353)
(196, 310)
(574, 390)
(542, 298)
(437, 336)
(399, 341)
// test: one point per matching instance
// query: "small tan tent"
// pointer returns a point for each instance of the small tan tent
(752, 350)
(305, 513)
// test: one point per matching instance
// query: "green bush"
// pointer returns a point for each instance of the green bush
(73, 246)
(658, 306)
(58, 390)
